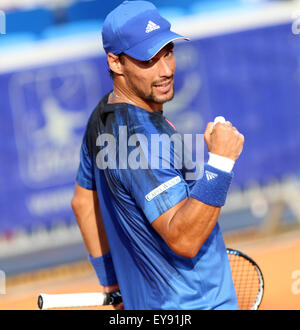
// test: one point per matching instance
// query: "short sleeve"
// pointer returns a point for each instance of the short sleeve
(158, 191)
(155, 189)
(85, 175)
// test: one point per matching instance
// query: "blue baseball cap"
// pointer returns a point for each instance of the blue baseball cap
(136, 29)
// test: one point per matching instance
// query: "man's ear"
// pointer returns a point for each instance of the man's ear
(114, 63)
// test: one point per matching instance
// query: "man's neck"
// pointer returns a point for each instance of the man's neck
(119, 96)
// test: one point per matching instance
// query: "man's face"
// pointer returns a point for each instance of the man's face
(153, 80)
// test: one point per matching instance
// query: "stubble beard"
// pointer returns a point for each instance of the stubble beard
(161, 99)
(152, 97)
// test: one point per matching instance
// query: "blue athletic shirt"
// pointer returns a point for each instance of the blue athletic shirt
(149, 273)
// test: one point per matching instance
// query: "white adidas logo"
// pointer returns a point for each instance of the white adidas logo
(151, 27)
(210, 175)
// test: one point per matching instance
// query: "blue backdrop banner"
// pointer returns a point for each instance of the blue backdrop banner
(252, 78)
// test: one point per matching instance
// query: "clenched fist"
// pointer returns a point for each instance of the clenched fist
(223, 139)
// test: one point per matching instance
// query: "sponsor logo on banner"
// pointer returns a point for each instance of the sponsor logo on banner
(50, 111)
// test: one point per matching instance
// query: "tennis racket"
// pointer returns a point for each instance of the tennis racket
(247, 279)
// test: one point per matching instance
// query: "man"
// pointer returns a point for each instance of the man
(157, 235)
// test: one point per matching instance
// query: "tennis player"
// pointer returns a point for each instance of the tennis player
(150, 231)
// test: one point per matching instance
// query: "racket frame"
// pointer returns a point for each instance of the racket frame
(260, 293)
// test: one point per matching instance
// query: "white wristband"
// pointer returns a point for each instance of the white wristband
(222, 163)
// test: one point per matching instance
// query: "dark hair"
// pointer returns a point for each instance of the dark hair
(169, 46)
(121, 59)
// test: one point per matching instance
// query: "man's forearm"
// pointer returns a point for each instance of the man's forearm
(90, 231)
(89, 219)
(88, 216)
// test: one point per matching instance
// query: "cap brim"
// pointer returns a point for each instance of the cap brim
(148, 48)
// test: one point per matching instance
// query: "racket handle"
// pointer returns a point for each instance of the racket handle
(47, 301)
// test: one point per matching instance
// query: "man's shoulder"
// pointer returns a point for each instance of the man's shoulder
(92, 127)
(102, 114)
(95, 115)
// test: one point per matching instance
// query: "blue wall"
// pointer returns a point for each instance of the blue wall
(252, 78)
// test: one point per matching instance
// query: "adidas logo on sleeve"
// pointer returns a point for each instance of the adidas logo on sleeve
(151, 27)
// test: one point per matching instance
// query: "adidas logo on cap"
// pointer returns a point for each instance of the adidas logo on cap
(151, 27)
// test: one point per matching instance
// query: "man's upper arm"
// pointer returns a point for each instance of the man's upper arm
(85, 175)
(161, 224)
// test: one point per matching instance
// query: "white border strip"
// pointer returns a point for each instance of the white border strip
(50, 51)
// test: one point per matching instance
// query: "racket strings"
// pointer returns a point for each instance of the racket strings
(246, 281)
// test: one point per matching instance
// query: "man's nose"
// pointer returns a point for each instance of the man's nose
(165, 69)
